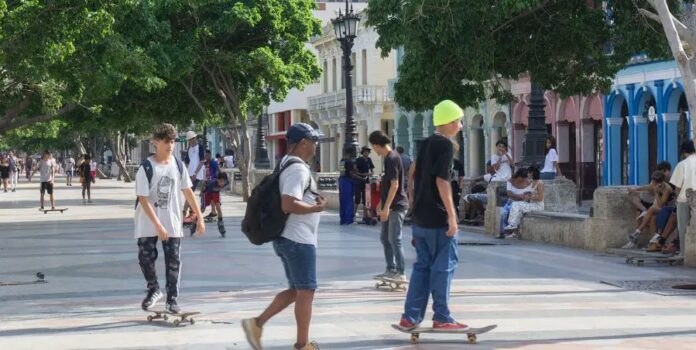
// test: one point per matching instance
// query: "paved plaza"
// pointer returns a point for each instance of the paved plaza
(541, 296)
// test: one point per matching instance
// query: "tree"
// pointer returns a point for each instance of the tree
(232, 57)
(681, 37)
(463, 50)
(60, 56)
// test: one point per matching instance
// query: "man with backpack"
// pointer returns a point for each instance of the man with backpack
(296, 245)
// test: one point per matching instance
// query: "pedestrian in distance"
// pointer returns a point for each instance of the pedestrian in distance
(159, 183)
(346, 187)
(297, 245)
(86, 179)
(434, 224)
(195, 158)
(365, 169)
(551, 168)
(684, 178)
(5, 173)
(29, 167)
(14, 170)
(69, 170)
(392, 207)
(212, 191)
(47, 174)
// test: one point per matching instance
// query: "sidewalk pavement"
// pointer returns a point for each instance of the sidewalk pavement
(541, 296)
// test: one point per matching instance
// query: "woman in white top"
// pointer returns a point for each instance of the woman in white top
(551, 168)
(501, 162)
(535, 202)
(518, 189)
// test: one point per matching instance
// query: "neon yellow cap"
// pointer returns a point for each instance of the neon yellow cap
(446, 112)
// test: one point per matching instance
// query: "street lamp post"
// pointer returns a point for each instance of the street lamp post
(536, 129)
(261, 160)
(345, 29)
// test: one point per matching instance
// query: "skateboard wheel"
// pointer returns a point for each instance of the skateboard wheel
(176, 323)
(414, 338)
(472, 338)
(149, 319)
(165, 317)
(192, 321)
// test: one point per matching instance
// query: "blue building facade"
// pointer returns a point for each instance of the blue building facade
(645, 119)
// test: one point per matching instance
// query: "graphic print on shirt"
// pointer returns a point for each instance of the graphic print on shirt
(165, 187)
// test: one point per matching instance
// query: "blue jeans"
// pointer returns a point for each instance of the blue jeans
(345, 199)
(391, 241)
(432, 273)
(547, 176)
(504, 213)
(299, 261)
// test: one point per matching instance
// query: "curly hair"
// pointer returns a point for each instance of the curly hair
(165, 132)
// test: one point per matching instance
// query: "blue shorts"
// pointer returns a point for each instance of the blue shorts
(299, 262)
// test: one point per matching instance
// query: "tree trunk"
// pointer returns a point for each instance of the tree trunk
(241, 146)
(77, 140)
(686, 64)
(116, 147)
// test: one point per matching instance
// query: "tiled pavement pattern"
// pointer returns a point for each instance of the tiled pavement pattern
(541, 297)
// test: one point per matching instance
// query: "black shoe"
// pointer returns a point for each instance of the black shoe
(221, 227)
(172, 306)
(153, 296)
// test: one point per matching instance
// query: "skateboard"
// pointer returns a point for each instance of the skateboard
(40, 278)
(641, 260)
(470, 332)
(61, 210)
(164, 315)
(393, 285)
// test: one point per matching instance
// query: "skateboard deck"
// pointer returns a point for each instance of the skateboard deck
(164, 315)
(392, 285)
(61, 210)
(641, 260)
(470, 332)
(40, 278)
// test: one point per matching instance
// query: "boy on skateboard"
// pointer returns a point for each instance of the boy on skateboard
(47, 172)
(158, 215)
(434, 224)
(392, 207)
(212, 198)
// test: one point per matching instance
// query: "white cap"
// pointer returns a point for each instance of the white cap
(191, 135)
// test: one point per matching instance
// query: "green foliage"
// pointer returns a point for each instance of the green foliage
(37, 137)
(461, 49)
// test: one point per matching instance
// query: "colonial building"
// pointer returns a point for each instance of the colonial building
(373, 107)
(646, 117)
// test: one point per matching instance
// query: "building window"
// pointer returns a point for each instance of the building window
(364, 67)
(333, 75)
(326, 77)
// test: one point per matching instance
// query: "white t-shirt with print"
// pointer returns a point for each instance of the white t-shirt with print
(194, 160)
(551, 156)
(684, 177)
(293, 182)
(504, 172)
(164, 193)
(46, 168)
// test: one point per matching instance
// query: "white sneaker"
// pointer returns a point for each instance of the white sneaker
(509, 228)
(396, 277)
(384, 274)
(655, 239)
(512, 236)
(630, 245)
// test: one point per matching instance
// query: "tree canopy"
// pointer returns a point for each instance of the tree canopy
(462, 50)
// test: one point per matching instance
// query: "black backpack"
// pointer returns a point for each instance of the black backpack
(147, 166)
(264, 219)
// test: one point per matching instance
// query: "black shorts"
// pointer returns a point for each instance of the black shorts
(46, 187)
(647, 205)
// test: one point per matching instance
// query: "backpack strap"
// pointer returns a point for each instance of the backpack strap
(290, 162)
(147, 166)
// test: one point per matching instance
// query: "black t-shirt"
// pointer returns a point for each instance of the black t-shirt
(85, 170)
(433, 161)
(393, 170)
(347, 166)
(364, 165)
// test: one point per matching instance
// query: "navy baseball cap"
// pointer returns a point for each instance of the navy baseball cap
(300, 131)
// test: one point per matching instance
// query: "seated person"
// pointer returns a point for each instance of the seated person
(475, 204)
(518, 189)
(662, 192)
(666, 225)
(501, 162)
(535, 202)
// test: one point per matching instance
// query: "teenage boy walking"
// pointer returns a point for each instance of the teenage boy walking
(297, 245)
(392, 206)
(434, 223)
(158, 216)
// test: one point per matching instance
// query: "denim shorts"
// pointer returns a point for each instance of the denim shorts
(299, 262)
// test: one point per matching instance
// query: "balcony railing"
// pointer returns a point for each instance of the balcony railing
(361, 95)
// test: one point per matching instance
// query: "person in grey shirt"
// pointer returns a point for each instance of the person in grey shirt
(47, 171)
